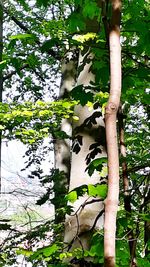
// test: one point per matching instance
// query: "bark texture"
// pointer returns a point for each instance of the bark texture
(111, 203)
(68, 81)
(87, 132)
(62, 147)
(88, 144)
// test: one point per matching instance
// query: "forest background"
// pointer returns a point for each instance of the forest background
(47, 45)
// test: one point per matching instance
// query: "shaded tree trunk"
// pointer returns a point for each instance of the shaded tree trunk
(127, 197)
(147, 224)
(62, 145)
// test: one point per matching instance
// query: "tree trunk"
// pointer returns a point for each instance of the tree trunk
(127, 197)
(85, 134)
(111, 203)
(88, 144)
(147, 224)
(62, 146)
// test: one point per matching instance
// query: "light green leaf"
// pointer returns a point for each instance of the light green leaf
(24, 252)
(2, 127)
(21, 36)
(72, 196)
(101, 190)
(3, 62)
(75, 118)
(50, 250)
(97, 190)
(91, 190)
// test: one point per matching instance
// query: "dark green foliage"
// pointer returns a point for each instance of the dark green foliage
(96, 164)
(82, 94)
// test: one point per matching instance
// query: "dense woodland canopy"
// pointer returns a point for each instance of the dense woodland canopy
(55, 79)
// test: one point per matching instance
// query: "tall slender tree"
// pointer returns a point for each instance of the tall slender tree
(112, 200)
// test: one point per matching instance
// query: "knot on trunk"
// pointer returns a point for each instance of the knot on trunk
(111, 108)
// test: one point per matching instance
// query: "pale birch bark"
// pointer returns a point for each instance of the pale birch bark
(111, 203)
(68, 80)
(84, 218)
(62, 146)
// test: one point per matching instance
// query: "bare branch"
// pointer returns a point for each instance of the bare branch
(96, 219)
(9, 75)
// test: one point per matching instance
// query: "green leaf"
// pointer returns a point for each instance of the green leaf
(123, 222)
(79, 93)
(48, 251)
(92, 190)
(90, 9)
(75, 118)
(72, 196)
(97, 247)
(104, 172)
(24, 4)
(24, 252)
(96, 164)
(32, 60)
(102, 190)
(145, 217)
(75, 22)
(2, 127)
(143, 262)
(97, 190)
(3, 62)
(44, 3)
(49, 44)
(22, 36)
(95, 250)
(101, 97)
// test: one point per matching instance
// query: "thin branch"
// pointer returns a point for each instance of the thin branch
(96, 219)
(135, 59)
(133, 262)
(25, 66)
(78, 234)
(9, 75)
(138, 168)
(85, 204)
(18, 23)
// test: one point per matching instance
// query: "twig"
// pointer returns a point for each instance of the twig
(96, 219)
